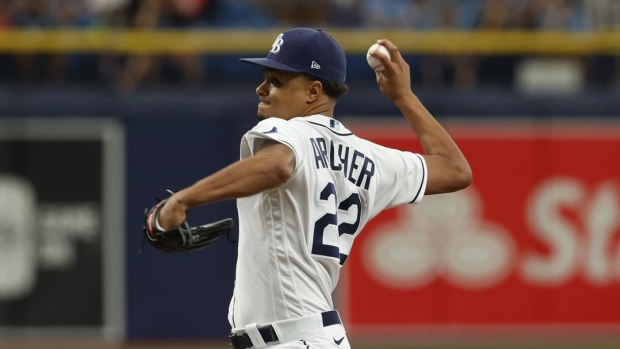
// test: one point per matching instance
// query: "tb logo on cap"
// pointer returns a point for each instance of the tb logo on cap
(275, 48)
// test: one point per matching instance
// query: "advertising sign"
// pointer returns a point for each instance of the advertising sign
(533, 243)
(61, 192)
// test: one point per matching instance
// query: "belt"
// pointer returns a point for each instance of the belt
(267, 332)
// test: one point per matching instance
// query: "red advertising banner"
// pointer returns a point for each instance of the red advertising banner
(534, 241)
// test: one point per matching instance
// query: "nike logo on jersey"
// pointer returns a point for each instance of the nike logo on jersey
(338, 341)
(355, 166)
(273, 130)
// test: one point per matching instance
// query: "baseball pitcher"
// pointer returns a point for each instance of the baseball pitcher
(306, 186)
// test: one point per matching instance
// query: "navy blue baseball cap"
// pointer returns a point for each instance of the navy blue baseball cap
(304, 50)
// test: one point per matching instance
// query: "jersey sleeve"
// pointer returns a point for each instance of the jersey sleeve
(274, 129)
(402, 178)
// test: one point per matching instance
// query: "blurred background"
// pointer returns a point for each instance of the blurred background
(105, 104)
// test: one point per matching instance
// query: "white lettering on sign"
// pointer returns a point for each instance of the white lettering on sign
(602, 221)
(582, 245)
(554, 230)
(28, 244)
(18, 251)
(61, 227)
(576, 229)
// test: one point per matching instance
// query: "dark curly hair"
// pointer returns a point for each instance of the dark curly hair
(332, 88)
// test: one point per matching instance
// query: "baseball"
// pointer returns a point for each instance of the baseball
(374, 62)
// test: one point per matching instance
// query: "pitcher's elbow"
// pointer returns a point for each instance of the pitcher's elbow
(464, 178)
(279, 172)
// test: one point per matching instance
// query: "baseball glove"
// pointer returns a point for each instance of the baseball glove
(184, 238)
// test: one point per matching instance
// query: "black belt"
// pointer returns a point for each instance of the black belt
(242, 340)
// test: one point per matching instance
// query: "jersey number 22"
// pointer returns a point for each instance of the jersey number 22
(318, 247)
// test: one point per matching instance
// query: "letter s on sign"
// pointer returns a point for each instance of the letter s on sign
(547, 223)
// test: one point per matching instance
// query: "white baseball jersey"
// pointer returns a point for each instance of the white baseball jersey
(294, 239)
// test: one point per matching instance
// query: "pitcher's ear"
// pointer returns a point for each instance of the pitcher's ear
(315, 89)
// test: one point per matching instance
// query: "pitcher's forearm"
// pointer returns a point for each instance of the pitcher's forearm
(434, 139)
(447, 166)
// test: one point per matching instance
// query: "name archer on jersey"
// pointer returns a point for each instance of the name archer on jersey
(356, 167)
